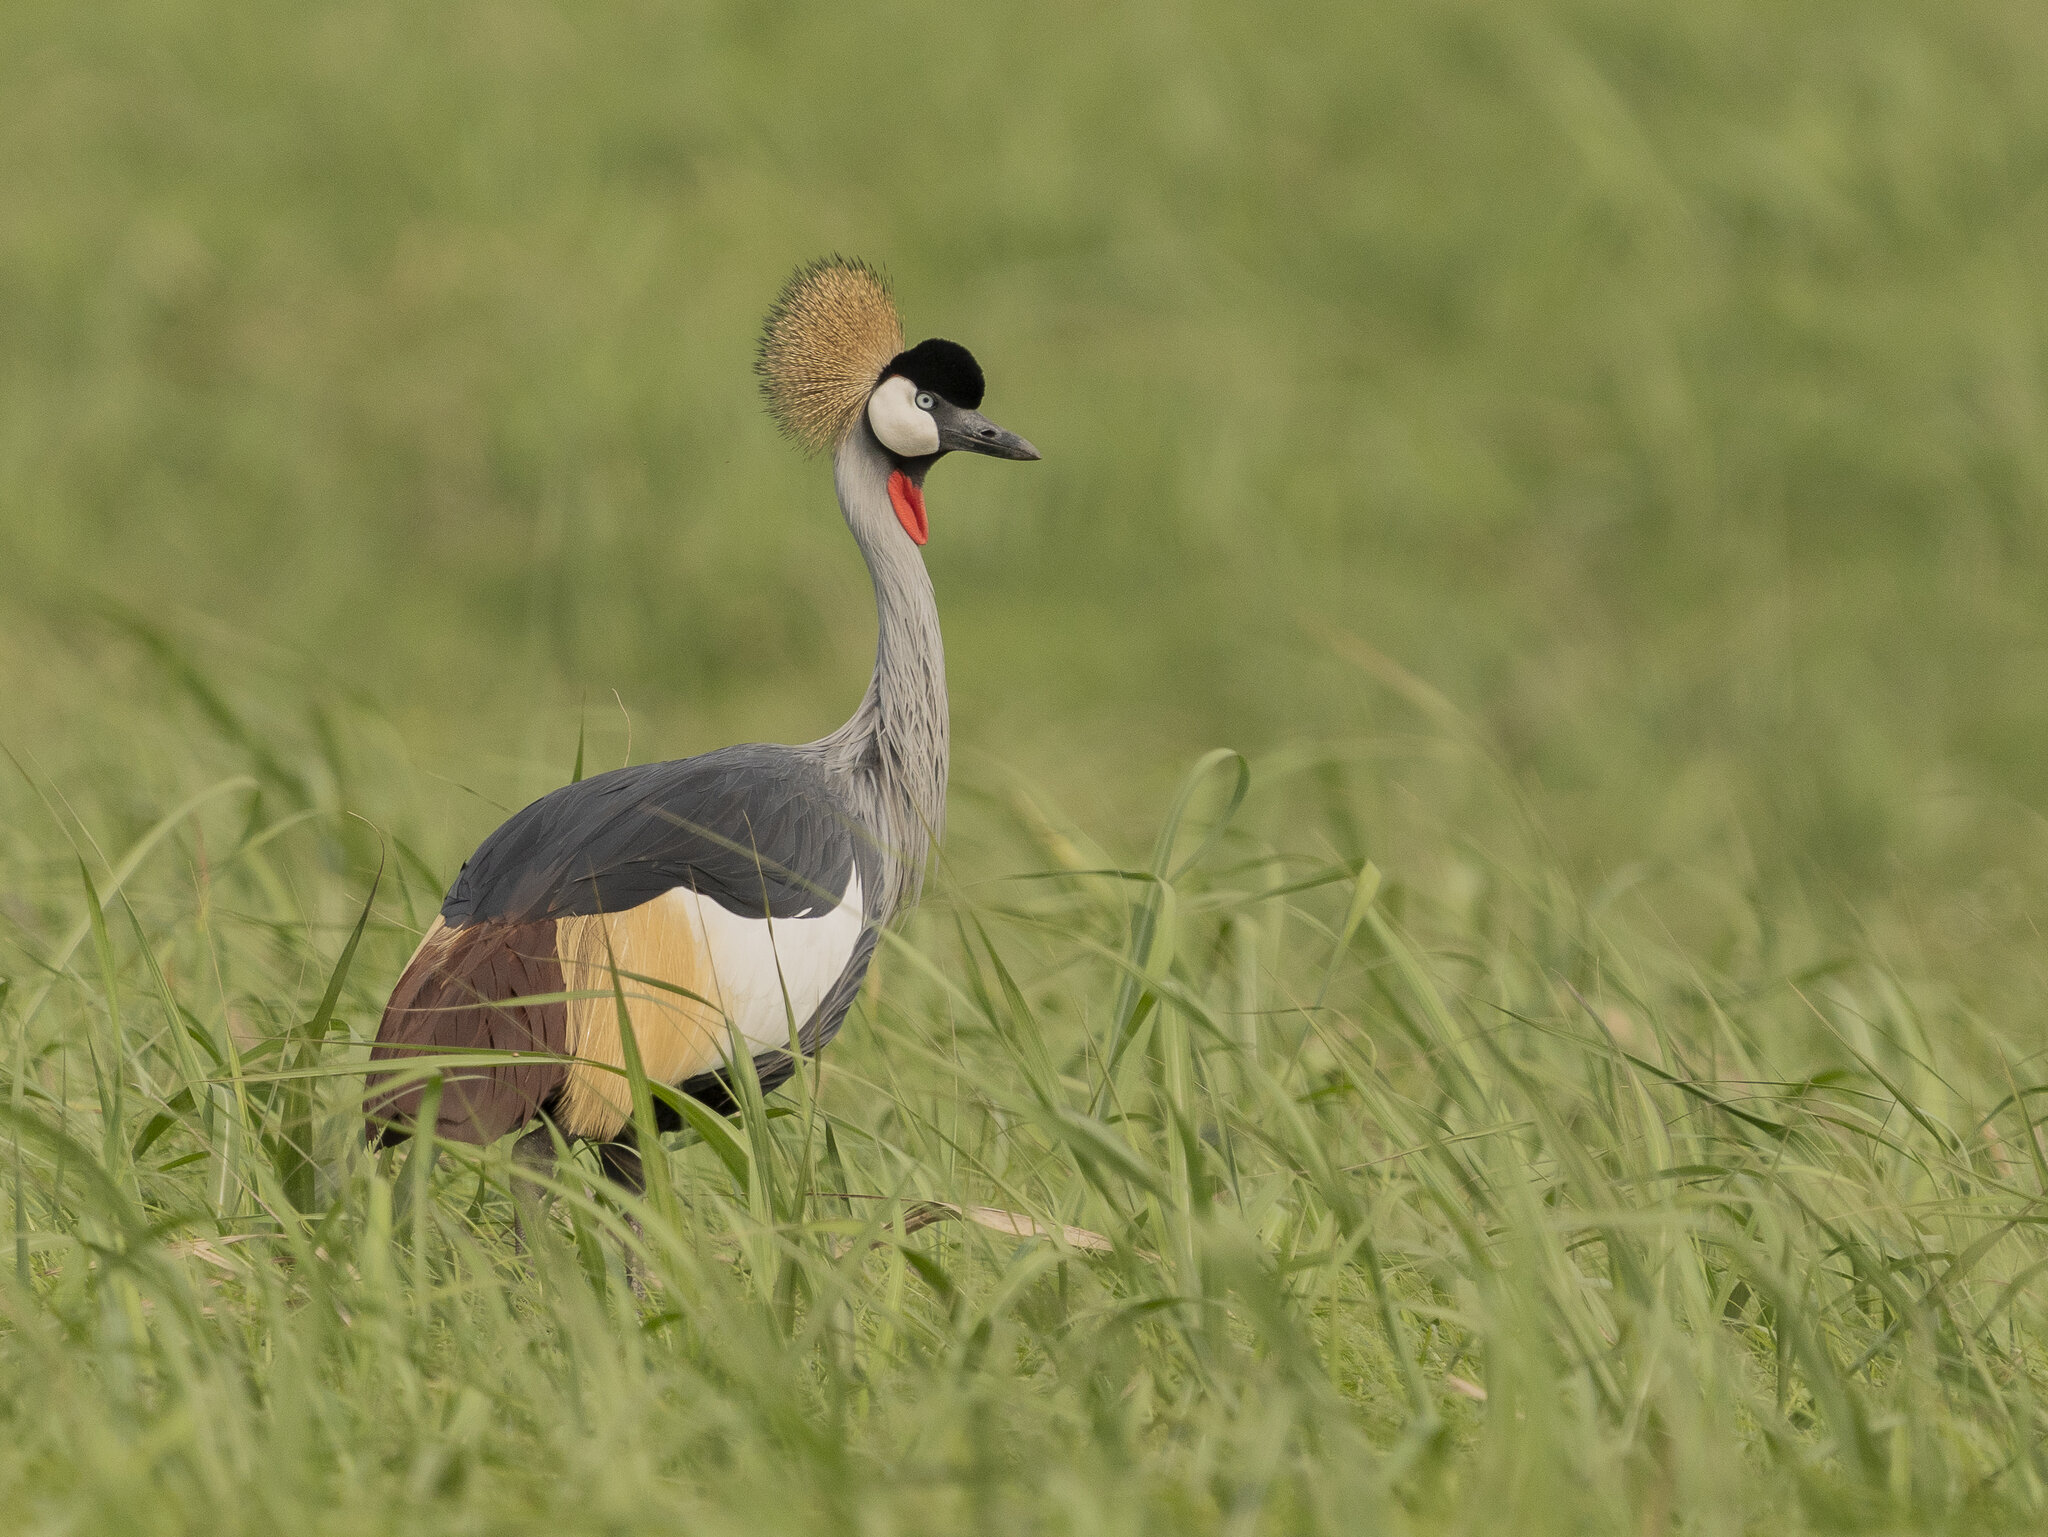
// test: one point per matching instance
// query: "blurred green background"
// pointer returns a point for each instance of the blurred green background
(1662, 386)
(1592, 456)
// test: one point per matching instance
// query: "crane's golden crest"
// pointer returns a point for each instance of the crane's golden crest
(830, 334)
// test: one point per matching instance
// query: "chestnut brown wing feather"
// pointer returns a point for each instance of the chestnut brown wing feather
(459, 994)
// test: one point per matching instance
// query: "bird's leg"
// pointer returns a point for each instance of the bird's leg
(622, 1166)
(534, 1152)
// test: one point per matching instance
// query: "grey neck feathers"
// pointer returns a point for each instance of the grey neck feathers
(892, 753)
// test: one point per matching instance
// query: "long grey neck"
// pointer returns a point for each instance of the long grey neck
(892, 753)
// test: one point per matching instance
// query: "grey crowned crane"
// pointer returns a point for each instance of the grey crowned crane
(746, 886)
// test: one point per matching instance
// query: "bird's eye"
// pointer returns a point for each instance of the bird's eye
(924, 400)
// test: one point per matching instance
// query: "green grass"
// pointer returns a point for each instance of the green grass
(1588, 456)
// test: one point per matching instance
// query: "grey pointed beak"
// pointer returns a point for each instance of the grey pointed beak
(971, 432)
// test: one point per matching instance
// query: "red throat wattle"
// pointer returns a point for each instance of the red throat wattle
(908, 500)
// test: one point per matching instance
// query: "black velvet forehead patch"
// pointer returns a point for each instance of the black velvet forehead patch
(943, 367)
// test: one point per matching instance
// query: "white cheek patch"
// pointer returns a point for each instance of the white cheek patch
(903, 429)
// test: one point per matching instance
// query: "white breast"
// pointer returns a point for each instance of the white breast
(770, 974)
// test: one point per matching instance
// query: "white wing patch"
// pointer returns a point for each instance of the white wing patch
(770, 974)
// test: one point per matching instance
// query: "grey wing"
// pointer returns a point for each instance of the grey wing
(761, 830)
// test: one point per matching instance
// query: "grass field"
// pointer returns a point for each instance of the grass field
(1574, 1063)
